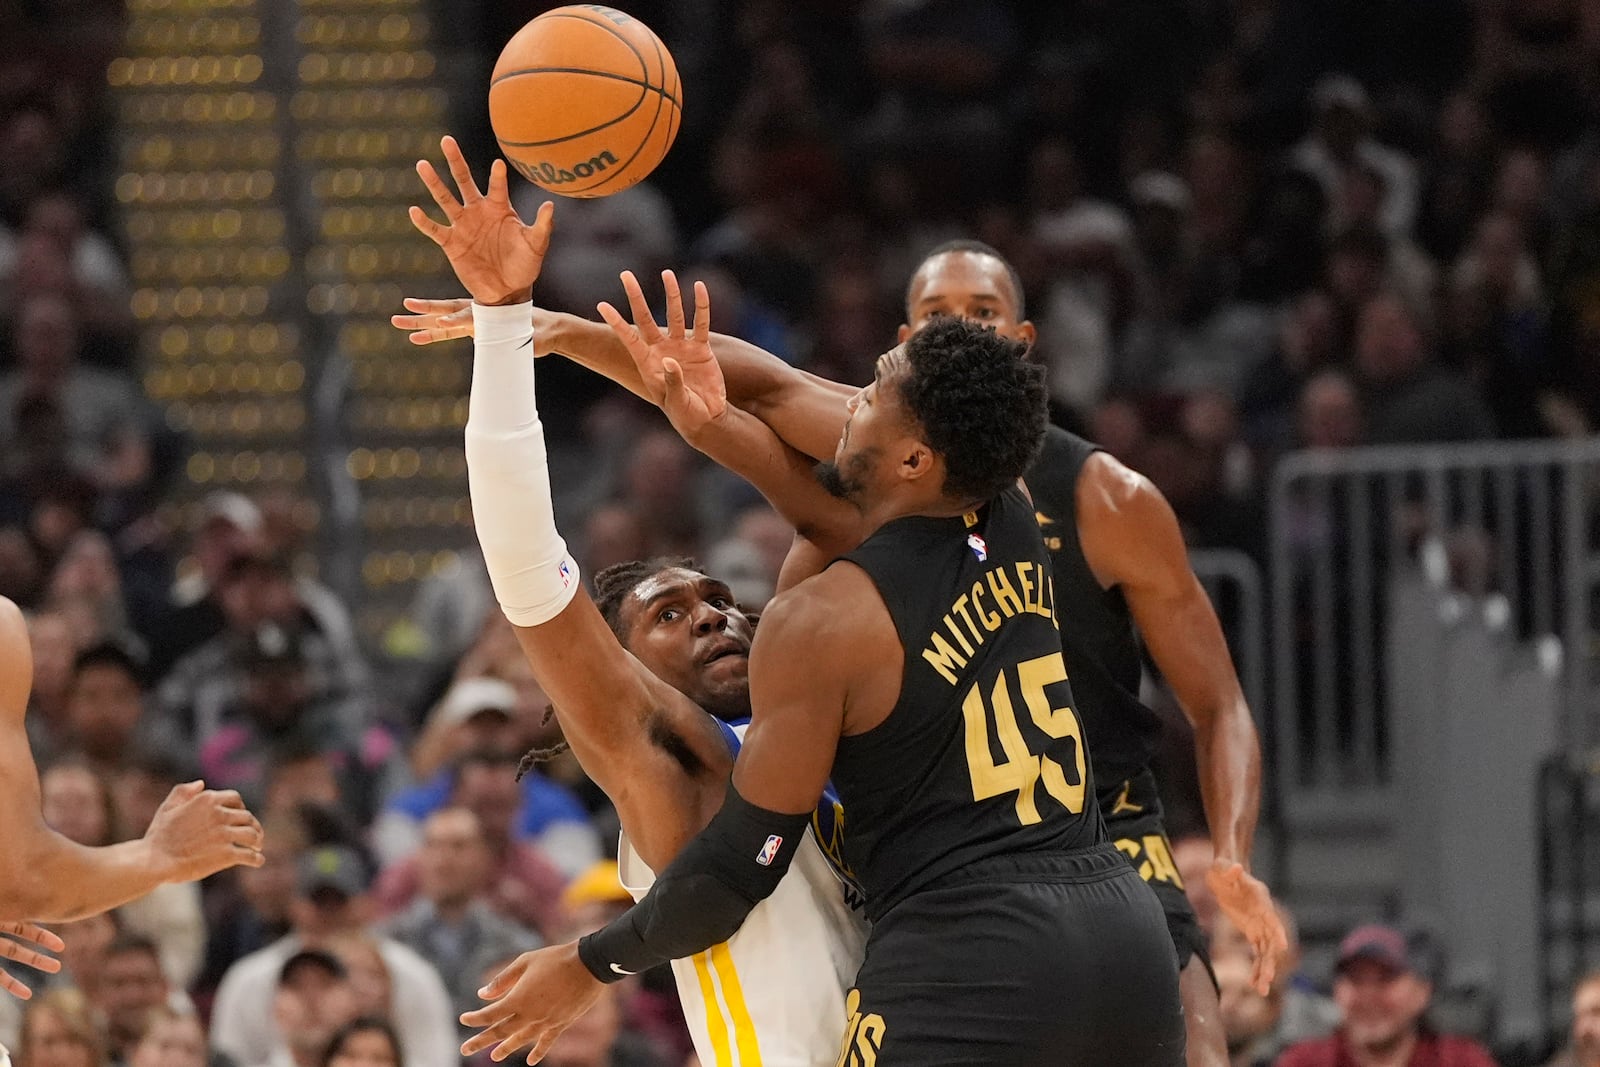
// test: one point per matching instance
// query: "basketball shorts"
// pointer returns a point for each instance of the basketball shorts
(1133, 818)
(1020, 961)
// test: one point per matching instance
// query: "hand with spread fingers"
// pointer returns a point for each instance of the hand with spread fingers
(534, 999)
(494, 254)
(198, 831)
(680, 373)
(11, 936)
(1247, 902)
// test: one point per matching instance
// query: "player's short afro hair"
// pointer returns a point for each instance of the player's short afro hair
(981, 404)
(613, 584)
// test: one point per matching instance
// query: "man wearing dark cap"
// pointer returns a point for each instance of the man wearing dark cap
(1381, 988)
(331, 899)
(314, 999)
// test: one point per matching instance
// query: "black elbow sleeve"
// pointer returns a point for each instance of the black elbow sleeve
(704, 896)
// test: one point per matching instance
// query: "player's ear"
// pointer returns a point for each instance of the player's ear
(1027, 334)
(905, 332)
(916, 462)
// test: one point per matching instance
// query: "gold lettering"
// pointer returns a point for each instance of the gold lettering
(869, 1040)
(990, 620)
(1005, 597)
(955, 632)
(1050, 588)
(960, 608)
(944, 659)
(1135, 854)
(1163, 868)
(1025, 583)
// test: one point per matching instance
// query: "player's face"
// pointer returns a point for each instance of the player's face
(688, 630)
(878, 436)
(1380, 1005)
(967, 285)
(1586, 1022)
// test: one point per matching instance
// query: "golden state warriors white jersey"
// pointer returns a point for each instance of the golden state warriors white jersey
(773, 994)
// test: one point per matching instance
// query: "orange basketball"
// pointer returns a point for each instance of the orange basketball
(585, 100)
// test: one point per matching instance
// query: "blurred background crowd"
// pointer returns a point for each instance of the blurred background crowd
(1244, 227)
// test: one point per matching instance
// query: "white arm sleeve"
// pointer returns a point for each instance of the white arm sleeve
(533, 575)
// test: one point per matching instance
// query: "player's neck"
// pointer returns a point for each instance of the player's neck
(889, 508)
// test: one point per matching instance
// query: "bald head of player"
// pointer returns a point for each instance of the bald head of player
(953, 417)
(967, 280)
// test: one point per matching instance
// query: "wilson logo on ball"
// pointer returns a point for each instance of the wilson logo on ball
(549, 174)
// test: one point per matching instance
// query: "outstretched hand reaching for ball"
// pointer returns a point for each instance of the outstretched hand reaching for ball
(496, 256)
(678, 370)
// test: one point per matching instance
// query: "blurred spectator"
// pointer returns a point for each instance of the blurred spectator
(330, 899)
(750, 559)
(1308, 341)
(105, 708)
(366, 1042)
(596, 1039)
(257, 914)
(595, 897)
(1409, 397)
(129, 988)
(1383, 996)
(55, 648)
(1341, 139)
(59, 1030)
(105, 421)
(451, 922)
(371, 984)
(1259, 1028)
(97, 284)
(313, 1002)
(1584, 1049)
(172, 1039)
(476, 714)
(599, 237)
(614, 533)
(280, 710)
(525, 878)
(228, 529)
(659, 481)
(1329, 413)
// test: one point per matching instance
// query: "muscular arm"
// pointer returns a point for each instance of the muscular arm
(805, 411)
(660, 759)
(44, 876)
(798, 716)
(1130, 538)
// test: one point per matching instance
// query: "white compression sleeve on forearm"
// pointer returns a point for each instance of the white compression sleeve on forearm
(533, 575)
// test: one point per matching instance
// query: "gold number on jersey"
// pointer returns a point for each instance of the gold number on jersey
(1021, 769)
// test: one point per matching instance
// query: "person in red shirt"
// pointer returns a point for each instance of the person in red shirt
(1383, 995)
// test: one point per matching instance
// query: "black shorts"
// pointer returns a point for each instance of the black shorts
(1132, 814)
(1047, 961)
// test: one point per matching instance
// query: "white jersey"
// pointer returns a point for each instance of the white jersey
(773, 994)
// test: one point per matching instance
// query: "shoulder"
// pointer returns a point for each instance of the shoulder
(817, 607)
(1462, 1052)
(1109, 488)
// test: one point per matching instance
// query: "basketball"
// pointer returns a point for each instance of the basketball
(585, 101)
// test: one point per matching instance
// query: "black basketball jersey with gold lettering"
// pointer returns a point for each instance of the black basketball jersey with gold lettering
(1098, 635)
(983, 753)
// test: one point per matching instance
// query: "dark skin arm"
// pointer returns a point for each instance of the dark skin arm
(806, 411)
(614, 712)
(1131, 539)
(799, 715)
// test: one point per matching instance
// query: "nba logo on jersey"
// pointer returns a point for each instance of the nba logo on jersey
(565, 571)
(979, 548)
(769, 851)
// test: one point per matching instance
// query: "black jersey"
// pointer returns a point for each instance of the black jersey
(983, 754)
(1098, 636)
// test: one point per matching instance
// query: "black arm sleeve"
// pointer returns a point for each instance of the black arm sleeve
(704, 896)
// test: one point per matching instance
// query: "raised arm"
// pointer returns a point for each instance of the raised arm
(706, 894)
(1131, 539)
(662, 761)
(45, 877)
(678, 372)
(805, 411)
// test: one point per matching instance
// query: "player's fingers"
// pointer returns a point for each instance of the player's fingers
(440, 191)
(501, 983)
(542, 1047)
(538, 234)
(504, 1022)
(702, 312)
(626, 332)
(35, 933)
(14, 986)
(433, 231)
(427, 306)
(521, 1037)
(19, 953)
(439, 333)
(669, 285)
(470, 193)
(643, 320)
(498, 192)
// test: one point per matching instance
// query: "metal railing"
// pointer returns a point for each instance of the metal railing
(1514, 525)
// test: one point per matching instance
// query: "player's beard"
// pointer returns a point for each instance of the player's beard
(846, 482)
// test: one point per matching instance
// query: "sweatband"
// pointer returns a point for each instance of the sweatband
(704, 895)
(533, 574)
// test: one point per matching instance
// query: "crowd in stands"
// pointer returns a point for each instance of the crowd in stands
(1243, 227)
